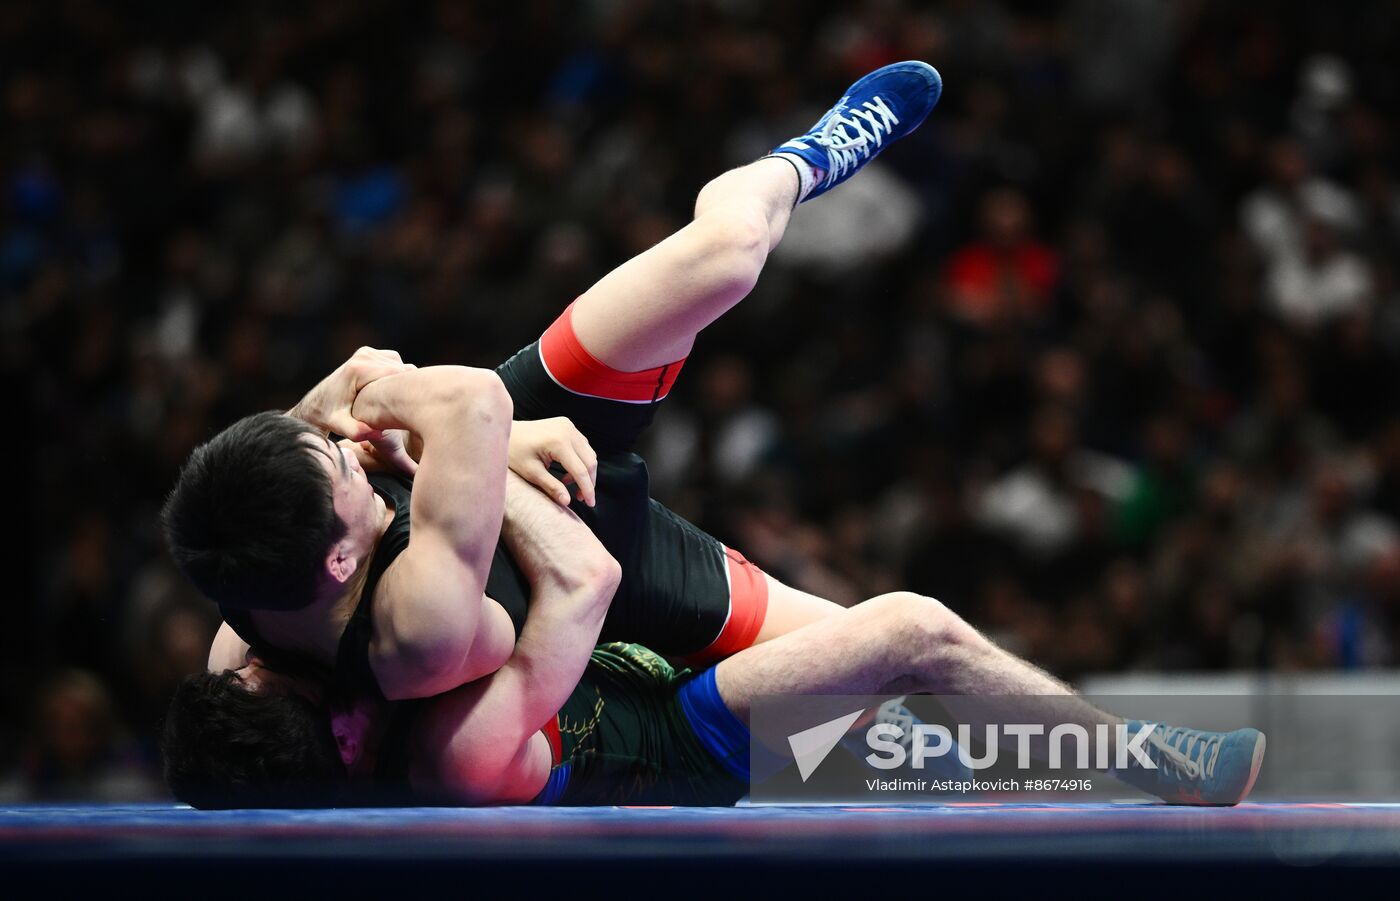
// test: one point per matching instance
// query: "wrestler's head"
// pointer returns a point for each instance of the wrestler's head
(251, 737)
(268, 514)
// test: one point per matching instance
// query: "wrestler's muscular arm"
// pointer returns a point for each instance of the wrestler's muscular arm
(482, 742)
(429, 608)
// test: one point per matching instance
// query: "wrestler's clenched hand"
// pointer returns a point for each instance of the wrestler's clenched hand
(327, 406)
(389, 453)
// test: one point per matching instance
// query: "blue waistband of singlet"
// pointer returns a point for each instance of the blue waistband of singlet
(554, 789)
(722, 733)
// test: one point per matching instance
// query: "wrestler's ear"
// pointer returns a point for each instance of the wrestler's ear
(340, 562)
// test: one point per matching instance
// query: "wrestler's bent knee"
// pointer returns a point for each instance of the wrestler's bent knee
(923, 622)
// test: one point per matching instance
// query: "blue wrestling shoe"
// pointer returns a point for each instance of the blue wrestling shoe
(878, 110)
(1195, 766)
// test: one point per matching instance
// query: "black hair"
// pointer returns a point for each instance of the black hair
(226, 746)
(252, 516)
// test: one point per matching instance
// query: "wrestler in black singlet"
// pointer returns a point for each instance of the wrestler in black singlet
(674, 593)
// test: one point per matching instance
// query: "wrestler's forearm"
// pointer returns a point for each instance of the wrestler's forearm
(463, 417)
(552, 546)
(327, 405)
(480, 742)
(572, 580)
(430, 402)
(554, 649)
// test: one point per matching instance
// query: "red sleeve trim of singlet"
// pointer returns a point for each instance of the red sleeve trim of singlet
(748, 606)
(576, 370)
(556, 741)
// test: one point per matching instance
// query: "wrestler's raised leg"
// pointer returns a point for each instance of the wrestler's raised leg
(647, 312)
(618, 348)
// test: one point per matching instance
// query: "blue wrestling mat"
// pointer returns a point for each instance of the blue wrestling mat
(1085, 850)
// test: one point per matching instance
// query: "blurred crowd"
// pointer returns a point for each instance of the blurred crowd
(1104, 356)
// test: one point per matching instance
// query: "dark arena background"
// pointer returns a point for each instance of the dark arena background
(1105, 356)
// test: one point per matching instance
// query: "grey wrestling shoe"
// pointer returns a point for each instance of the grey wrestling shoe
(893, 712)
(1195, 766)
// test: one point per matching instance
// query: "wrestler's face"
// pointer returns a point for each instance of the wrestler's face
(356, 503)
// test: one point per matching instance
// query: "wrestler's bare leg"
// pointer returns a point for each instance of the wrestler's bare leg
(789, 609)
(901, 643)
(904, 643)
(647, 312)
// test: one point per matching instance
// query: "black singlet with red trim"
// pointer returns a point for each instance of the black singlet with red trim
(674, 594)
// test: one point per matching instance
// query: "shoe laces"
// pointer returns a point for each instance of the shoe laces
(1191, 751)
(852, 135)
(895, 713)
